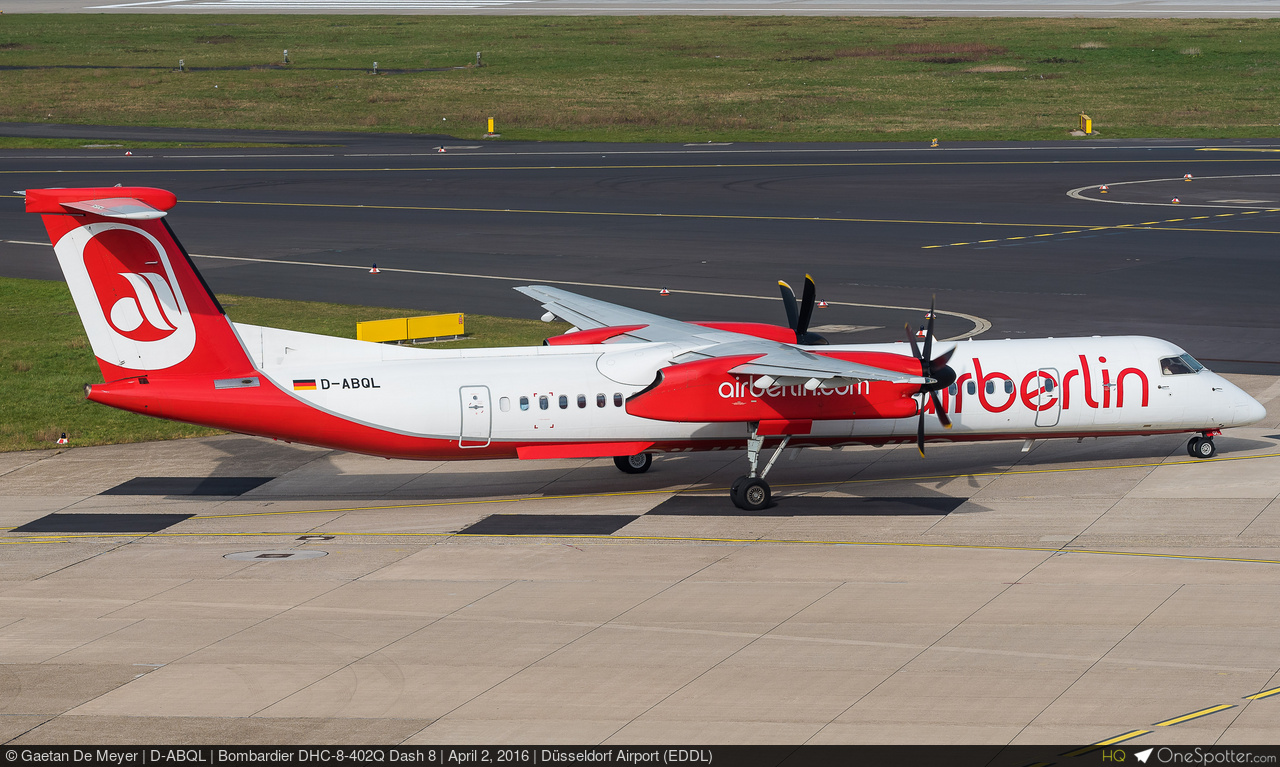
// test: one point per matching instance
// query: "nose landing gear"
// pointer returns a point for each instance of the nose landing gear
(1203, 447)
(633, 464)
(751, 492)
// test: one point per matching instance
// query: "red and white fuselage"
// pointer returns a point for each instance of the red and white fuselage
(166, 349)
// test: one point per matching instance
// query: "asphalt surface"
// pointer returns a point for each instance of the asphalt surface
(993, 230)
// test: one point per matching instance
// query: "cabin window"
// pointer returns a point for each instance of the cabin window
(524, 403)
(564, 402)
(600, 400)
(617, 399)
(1180, 366)
(1048, 384)
(582, 400)
(953, 390)
(542, 402)
(991, 387)
(1008, 386)
(972, 387)
(504, 404)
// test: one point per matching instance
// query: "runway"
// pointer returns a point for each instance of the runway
(235, 590)
(1001, 234)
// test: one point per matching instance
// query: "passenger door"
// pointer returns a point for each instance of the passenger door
(477, 417)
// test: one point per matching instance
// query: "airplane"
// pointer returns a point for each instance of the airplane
(622, 383)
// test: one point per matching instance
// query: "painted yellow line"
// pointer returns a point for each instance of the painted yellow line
(1171, 220)
(1250, 212)
(1015, 238)
(1108, 742)
(666, 539)
(1149, 223)
(1234, 149)
(656, 166)
(959, 243)
(1073, 231)
(1263, 694)
(1224, 215)
(1194, 715)
(1197, 218)
(622, 214)
(934, 246)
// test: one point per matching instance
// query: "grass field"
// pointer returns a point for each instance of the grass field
(45, 360)
(18, 142)
(651, 78)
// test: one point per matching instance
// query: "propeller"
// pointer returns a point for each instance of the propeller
(936, 369)
(798, 316)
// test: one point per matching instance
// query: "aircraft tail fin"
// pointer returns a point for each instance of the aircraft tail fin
(144, 305)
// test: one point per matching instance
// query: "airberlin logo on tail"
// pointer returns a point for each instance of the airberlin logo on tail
(128, 295)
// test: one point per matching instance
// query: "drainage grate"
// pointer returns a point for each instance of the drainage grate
(550, 524)
(187, 486)
(811, 506)
(102, 523)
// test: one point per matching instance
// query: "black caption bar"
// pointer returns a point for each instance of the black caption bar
(690, 756)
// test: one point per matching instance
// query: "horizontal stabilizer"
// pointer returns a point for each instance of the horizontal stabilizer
(117, 207)
(137, 203)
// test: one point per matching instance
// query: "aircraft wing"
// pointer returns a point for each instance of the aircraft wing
(588, 313)
(786, 364)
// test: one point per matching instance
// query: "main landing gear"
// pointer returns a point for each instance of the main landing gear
(633, 464)
(751, 492)
(1203, 447)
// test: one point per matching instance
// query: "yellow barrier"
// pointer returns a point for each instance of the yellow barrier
(429, 328)
(1086, 123)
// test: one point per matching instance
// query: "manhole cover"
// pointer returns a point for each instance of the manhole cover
(262, 556)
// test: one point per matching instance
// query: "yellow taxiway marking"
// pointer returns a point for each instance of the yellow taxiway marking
(1146, 225)
(1263, 694)
(642, 166)
(1130, 735)
(651, 538)
(1194, 715)
(1234, 149)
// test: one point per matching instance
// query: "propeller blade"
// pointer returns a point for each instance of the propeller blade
(806, 306)
(920, 432)
(911, 338)
(928, 334)
(943, 418)
(789, 303)
(944, 358)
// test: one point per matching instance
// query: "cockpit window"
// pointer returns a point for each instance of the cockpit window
(1180, 366)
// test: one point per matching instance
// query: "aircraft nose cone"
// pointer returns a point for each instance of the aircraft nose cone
(1247, 411)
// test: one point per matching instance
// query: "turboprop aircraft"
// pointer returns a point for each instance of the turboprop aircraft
(623, 384)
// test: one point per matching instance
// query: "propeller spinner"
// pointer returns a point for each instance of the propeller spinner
(798, 316)
(936, 369)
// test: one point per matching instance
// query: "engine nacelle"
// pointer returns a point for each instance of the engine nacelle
(705, 391)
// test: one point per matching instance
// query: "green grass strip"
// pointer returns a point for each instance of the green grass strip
(682, 79)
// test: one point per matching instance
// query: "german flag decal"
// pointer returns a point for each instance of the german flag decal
(304, 384)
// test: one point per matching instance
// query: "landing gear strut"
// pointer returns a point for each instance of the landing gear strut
(1202, 447)
(633, 464)
(751, 492)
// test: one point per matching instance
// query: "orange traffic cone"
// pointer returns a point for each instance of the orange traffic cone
(375, 270)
